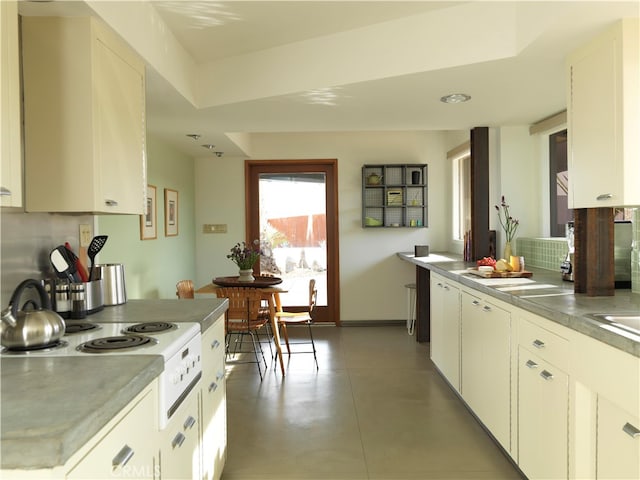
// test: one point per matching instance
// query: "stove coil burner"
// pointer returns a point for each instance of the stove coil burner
(72, 328)
(150, 327)
(27, 350)
(117, 343)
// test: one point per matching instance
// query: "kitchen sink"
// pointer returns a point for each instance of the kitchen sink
(627, 322)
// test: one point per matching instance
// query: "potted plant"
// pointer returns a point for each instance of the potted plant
(245, 256)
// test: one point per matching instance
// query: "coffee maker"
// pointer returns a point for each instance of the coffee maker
(567, 267)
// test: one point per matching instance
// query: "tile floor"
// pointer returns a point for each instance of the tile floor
(376, 409)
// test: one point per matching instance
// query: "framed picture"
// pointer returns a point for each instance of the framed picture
(170, 212)
(148, 220)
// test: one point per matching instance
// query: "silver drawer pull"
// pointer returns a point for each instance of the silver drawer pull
(475, 303)
(531, 364)
(5, 192)
(215, 344)
(178, 440)
(446, 287)
(486, 308)
(630, 430)
(546, 375)
(439, 284)
(111, 203)
(123, 456)
(219, 375)
(189, 423)
(604, 196)
(538, 343)
(213, 386)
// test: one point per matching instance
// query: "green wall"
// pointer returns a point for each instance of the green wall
(152, 267)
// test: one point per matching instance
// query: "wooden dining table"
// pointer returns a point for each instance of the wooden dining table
(271, 291)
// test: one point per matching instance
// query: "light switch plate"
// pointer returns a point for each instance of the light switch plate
(85, 235)
(214, 228)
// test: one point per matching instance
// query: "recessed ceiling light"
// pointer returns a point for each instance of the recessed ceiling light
(193, 136)
(455, 98)
(209, 146)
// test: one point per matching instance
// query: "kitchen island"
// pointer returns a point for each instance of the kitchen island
(557, 388)
(53, 407)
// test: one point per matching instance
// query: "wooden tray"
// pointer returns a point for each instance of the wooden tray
(259, 282)
(494, 274)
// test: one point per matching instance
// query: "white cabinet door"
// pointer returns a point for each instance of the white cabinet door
(11, 150)
(84, 111)
(129, 450)
(486, 364)
(121, 130)
(543, 396)
(618, 440)
(445, 328)
(604, 118)
(180, 442)
(214, 403)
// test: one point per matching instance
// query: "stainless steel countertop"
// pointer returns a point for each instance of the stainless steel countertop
(557, 303)
(51, 406)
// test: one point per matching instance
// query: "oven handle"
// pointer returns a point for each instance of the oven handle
(172, 409)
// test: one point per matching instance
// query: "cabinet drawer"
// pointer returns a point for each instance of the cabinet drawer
(127, 450)
(550, 347)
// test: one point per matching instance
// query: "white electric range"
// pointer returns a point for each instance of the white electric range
(180, 345)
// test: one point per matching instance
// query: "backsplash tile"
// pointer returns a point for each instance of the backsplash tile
(547, 253)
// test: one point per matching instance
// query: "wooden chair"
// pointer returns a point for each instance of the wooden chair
(243, 319)
(300, 318)
(184, 289)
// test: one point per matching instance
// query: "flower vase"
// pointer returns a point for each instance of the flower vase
(507, 251)
(246, 275)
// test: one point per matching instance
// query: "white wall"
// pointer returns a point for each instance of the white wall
(372, 277)
(516, 174)
(369, 268)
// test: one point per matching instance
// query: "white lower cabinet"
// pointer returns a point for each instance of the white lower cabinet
(605, 415)
(180, 441)
(543, 402)
(563, 405)
(445, 328)
(128, 449)
(214, 404)
(486, 364)
(618, 442)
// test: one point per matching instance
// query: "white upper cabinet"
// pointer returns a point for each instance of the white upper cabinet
(84, 110)
(604, 119)
(11, 152)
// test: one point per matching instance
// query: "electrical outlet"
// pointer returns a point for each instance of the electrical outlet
(85, 235)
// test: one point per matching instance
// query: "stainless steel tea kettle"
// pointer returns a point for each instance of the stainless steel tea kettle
(27, 329)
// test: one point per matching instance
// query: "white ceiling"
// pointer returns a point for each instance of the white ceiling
(362, 65)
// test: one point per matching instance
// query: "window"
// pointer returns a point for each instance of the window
(560, 214)
(461, 188)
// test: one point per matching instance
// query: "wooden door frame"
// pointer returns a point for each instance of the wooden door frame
(252, 169)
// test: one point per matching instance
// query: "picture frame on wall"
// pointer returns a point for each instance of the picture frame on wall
(148, 220)
(170, 212)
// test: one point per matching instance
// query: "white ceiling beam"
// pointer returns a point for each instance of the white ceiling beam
(459, 35)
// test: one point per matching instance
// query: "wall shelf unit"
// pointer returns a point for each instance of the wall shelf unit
(394, 195)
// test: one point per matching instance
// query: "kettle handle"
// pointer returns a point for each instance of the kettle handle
(45, 301)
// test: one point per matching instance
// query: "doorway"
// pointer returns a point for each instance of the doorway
(292, 207)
